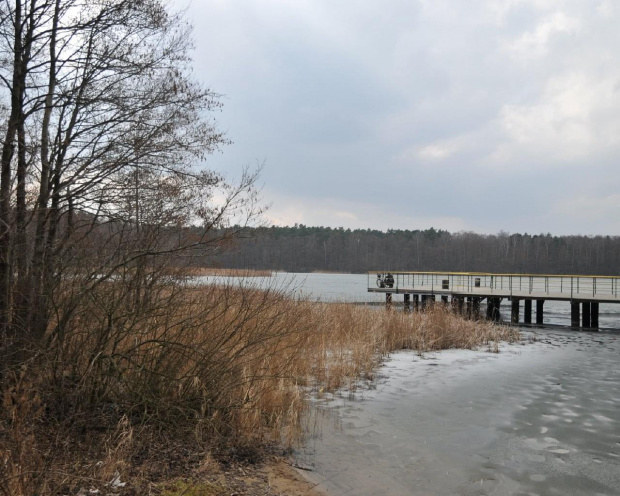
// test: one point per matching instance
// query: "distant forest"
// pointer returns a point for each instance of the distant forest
(307, 249)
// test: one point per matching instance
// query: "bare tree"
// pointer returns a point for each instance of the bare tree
(103, 127)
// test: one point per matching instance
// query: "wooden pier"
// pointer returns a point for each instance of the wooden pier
(466, 291)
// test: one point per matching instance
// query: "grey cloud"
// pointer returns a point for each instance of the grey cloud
(452, 107)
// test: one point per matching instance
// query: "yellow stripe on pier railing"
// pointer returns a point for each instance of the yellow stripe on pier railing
(491, 274)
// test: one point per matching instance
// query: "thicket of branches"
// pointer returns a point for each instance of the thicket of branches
(102, 203)
(304, 249)
(101, 124)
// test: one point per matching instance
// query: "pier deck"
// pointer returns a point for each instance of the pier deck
(584, 293)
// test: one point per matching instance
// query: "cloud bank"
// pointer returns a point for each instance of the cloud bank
(481, 115)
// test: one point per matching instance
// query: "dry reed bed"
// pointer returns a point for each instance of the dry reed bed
(215, 271)
(210, 367)
(349, 341)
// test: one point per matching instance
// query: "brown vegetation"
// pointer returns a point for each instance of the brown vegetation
(139, 397)
(216, 271)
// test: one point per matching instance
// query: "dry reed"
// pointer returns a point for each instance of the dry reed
(192, 271)
(349, 341)
(215, 367)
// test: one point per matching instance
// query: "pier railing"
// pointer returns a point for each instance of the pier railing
(560, 287)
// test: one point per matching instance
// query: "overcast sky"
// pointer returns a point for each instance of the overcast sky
(474, 115)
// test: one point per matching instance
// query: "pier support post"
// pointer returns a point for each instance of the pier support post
(493, 309)
(527, 311)
(457, 304)
(460, 303)
(514, 314)
(430, 301)
(594, 314)
(475, 304)
(416, 303)
(407, 302)
(444, 300)
(388, 301)
(574, 314)
(489, 308)
(585, 314)
(469, 306)
(539, 311)
(427, 302)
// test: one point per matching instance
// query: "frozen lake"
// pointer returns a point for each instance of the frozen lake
(538, 418)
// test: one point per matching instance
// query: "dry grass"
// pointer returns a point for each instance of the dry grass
(349, 341)
(213, 271)
(205, 370)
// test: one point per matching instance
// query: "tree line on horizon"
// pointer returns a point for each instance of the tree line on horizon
(303, 248)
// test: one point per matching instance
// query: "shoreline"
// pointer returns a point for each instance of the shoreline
(463, 422)
(274, 476)
(290, 481)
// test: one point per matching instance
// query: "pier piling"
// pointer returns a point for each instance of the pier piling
(527, 311)
(594, 314)
(476, 308)
(469, 307)
(427, 301)
(585, 315)
(460, 304)
(539, 311)
(514, 314)
(574, 314)
(493, 308)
